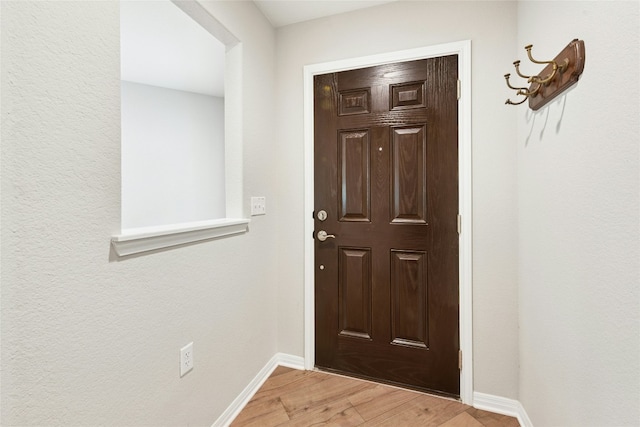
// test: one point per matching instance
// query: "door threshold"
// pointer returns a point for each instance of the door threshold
(400, 386)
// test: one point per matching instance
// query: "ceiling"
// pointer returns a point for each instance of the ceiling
(285, 12)
(160, 45)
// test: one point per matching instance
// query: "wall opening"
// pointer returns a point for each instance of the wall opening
(181, 87)
(172, 90)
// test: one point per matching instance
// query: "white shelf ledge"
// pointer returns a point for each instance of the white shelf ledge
(136, 240)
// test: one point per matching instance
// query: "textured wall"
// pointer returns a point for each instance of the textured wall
(398, 26)
(86, 340)
(579, 210)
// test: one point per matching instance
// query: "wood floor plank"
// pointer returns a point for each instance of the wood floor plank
(264, 413)
(373, 402)
(490, 419)
(462, 420)
(336, 413)
(280, 370)
(424, 410)
(265, 407)
(288, 379)
(300, 380)
(321, 393)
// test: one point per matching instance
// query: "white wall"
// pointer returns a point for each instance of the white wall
(579, 209)
(87, 340)
(398, 26)
(172, 156)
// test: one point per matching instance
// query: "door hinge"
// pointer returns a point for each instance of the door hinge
(459, 224)
(460, 360)
(459, 89)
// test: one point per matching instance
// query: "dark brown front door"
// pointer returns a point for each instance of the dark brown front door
(386, 175)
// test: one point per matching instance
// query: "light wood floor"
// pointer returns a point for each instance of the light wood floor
(292, 397)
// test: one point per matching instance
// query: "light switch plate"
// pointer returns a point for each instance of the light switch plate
(258, 206)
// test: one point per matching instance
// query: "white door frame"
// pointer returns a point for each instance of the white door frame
(463, 50)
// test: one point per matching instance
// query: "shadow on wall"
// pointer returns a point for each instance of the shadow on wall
(531, 117)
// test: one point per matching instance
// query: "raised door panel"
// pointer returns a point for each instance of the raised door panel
(354, 102)
(409, 308)
(354, 296)
(407, 96)
(408, 178)
(354, 176)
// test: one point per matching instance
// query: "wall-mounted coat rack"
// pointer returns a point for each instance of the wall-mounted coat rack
(558, 75)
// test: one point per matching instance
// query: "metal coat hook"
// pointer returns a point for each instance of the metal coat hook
(516, 65)
(558, 75)
(519, 91)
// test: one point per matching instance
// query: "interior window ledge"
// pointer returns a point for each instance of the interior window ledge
(136, 240)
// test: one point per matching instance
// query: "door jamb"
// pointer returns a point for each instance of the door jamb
(463, 50)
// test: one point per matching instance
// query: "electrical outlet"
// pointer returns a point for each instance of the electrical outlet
(186, 359)
(258, 206)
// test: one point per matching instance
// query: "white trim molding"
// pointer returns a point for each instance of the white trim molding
(502, 405)
(463, 50)
(279, 359)
(136, 240)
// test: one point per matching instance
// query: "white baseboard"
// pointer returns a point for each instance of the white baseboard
(279, 359)
(502, 405)
(289, 361)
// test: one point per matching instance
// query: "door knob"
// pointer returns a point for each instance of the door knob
(322, 236)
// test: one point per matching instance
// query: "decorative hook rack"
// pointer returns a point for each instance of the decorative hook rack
(557, 76)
